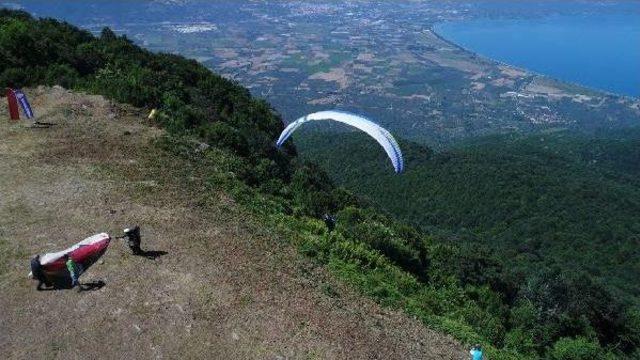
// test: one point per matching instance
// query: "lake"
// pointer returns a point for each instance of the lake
(599, 51)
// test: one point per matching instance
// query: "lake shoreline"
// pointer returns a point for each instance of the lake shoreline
(535, 74)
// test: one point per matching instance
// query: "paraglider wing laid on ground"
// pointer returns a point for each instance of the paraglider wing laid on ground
(382, 136)
(85, 253)
(26, 107)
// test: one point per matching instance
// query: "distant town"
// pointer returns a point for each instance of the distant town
(382, 59)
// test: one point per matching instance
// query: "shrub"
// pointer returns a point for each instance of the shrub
(577, 349)
(61, 74)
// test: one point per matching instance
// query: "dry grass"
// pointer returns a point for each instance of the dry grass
(226, 289)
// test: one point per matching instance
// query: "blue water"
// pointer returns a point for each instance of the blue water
(600, 51)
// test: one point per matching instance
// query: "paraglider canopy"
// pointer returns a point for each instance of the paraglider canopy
(382, 136)
(84, 253)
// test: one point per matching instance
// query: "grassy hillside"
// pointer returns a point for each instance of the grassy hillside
(542, 206)
(224, 140)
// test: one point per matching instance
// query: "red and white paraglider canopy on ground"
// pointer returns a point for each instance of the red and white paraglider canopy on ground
(85, 253)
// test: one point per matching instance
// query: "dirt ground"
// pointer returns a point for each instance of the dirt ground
(225, 289)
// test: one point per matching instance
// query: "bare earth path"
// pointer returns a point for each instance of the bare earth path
(226, 289)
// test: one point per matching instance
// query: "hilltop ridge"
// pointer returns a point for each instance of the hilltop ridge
(227, 288)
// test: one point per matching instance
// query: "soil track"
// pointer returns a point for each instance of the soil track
(226, 288)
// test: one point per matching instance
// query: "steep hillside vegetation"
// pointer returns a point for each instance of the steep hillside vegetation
(550, 199)
(224, 140)
(217, 283)
(555, 211)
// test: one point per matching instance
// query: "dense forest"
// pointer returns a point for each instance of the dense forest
(550, 206)
(548, 200)
(448, 273)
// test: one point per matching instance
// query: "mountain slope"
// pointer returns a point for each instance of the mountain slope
(227, 288)
(545, 200)
(220, 140)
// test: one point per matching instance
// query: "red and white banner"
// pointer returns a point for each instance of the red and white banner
(14, 113)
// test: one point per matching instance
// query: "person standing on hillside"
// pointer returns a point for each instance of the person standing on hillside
(133, 240)
(476, 352)
(329, 221)
(37, 273)
(74, 270)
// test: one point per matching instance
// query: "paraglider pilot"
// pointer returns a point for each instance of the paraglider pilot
(38, 274)
(476, 352)
(74, 269)
(133, 239)
(330, 221)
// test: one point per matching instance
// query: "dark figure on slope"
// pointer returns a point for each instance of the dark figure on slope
(133, 240)
(38, 273)
(330, 221)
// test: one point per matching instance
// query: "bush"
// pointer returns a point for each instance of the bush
(222, 135)
(63, 75)
(14, 77)
(521, 341)
(577, 349)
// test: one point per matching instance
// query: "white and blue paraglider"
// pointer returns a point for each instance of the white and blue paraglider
(382, 136)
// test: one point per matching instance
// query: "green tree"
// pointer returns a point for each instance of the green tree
(577, 349)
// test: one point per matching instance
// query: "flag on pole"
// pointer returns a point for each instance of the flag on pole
(14, 114)
(26, 107)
